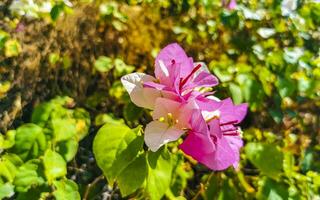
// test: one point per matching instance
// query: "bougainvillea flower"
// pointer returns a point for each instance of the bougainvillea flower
(171, 119)
(176, 76)
(181, 103)
(216, 143)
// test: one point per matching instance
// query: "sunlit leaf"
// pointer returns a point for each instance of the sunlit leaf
(266, 157)
(115, 147)
(54, 165)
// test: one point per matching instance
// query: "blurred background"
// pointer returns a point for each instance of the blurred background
(265, 53)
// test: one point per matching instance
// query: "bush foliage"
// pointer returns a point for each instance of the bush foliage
(69, 130)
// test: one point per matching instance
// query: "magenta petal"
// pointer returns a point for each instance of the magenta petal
(198, 124)
(197, 145)
(235, 143)
(172, 55)
(241, 111)
(221, 158)
(203, 79)
(207, 104)
(232, 113)
(215, 130)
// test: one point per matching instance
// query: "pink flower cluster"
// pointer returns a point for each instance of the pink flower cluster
(181, 104)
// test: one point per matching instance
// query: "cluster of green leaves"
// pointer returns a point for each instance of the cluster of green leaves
(119, 153)
(48, 9)
(260, 56)
(34, 157)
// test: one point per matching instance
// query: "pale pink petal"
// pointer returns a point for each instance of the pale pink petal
(158, 133)
(142, 97)
(164, 106)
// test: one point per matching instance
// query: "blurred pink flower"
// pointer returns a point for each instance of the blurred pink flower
(229, 4)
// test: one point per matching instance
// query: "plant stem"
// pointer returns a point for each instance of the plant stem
(88, 188)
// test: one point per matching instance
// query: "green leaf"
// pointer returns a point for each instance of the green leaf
(8, 169)
(102, 119)
(236, 93)
(65, 190)
(30, 142)
(228, 190)
(133, 176)
(41, 113)
(159, 173)
(115, 147)
(28, 175)
(266, 157)
(56, 11)
(131, 112)
(7, 141)
(6, 190)
(83, 122)
(54, 58)
(272, 190)
(36, 193)
(121, 68)
(103, 64)
(285, 87)
(3, 37)
(63, 129)
(288, 164)
(12, 48)
(67, 149)
(54, 164)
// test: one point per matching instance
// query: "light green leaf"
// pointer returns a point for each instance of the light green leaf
(265, 157)
(66, 190)
(133, 176)
(102, 119)
(12, 48)
(103, 64)
(63, 129)
(236, 93)
(30, 142)
(28, 175)
(6, 190)
(8, 169)
(54, 164)
(115, 147)
(159, 174)
(7, 140)
(83, 122)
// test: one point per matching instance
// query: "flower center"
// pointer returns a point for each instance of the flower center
(169, 120)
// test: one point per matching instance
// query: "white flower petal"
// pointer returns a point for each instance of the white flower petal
(142, 97)
(158, 133)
